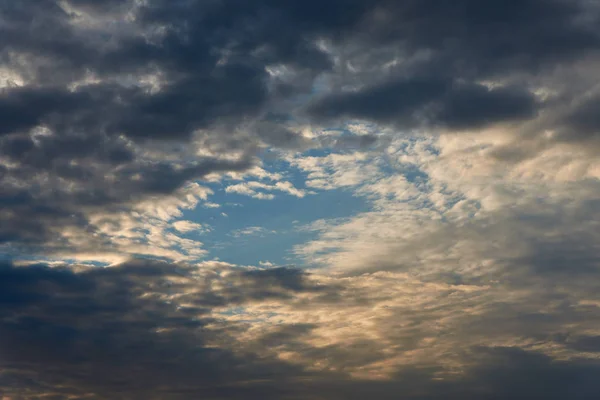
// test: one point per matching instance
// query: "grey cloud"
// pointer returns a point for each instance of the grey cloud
(130, 331)
(430, 102)
(495, 37)
(585, 343)
(276, 135)
(194, 103)
(468, 38)
(48, 151)
(355, 142)
(210, 61)
(114, 333)
(165, 178)
(518, 374)
(583, 123)
(386, 102)
(499, 373)
(199, 89)
(34, 215)
(24, 108)
(421, 64)
(248, 286)
(475, 106)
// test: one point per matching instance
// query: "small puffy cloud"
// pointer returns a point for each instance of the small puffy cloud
(336, 170)
(266, 264)
(251, 231)
(251, 189)
(185, 226)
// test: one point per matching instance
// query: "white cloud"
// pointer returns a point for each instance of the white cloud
(251, 189)
(251, 231)
(185, 226)
(336, 170)
(432, 198)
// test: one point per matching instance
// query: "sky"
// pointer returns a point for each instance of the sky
(299, 199)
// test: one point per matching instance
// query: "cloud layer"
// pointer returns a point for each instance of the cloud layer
(468, 131)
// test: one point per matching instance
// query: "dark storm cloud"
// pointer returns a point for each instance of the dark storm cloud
(193, 103)
(99, 5)
(454, 46)
(518, 374)
(164, 178)
(274, 32)
(475, 106)
(36, 214)
(495, 36)
(248, 286)
(385, 102)
(430, 102)
(47, 151)
(173, 113)
(24, 108)
(499, 373)
(144, 329)
(277, 282)
(213, 54)
(209, 59)
(582, 124)
(114, 332)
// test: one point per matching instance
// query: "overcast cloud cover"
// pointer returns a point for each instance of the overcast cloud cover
(299, 199)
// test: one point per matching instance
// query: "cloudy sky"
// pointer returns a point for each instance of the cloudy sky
(299, 199)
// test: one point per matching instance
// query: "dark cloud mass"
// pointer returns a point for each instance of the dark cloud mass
(147, 329)
(114, 112)
(102, 79)
(431, 102)
(116, 333)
